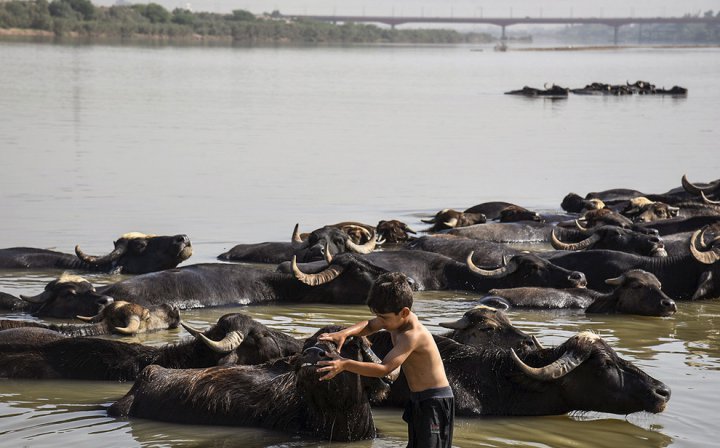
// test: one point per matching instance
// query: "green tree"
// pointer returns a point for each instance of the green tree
(242, 15)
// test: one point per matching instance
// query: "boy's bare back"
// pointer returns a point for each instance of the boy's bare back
(423, 367)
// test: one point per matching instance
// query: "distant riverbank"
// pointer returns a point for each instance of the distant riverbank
(80, 19)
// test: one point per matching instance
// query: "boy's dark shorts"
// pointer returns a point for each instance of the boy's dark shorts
(429, 415)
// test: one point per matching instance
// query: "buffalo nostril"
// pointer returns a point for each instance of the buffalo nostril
(664, 392)
(669, 304)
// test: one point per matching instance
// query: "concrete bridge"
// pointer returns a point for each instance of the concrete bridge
(503, 22)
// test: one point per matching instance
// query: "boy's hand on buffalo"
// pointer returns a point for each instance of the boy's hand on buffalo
(332, 367)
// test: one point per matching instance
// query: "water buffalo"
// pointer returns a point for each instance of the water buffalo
(635, 292)
(346, 280)
(582, 374)
(430, 271)
(486, 253)
(115, 317)
(283, 396)
(574, 203)
(485, 326)
(709, 190)
(511, 232)
(449, 219)
(554, 91)
(614, 238)
(134, 253)
(38, 353)
(515, 213)
(686, 276)
(328, 238)
(394, 231)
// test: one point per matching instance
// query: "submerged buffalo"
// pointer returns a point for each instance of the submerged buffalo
(38, 353)
(394, 231)
(449, 219)
(134, 253)
(582, 374)
(635, 292)
(284, 396)
(329, 239)
(347, 279)
(120, 317)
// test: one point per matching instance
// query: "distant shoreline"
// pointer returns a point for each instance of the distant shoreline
(610, 47)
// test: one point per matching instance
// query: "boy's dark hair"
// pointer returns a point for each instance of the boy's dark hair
(390, 293)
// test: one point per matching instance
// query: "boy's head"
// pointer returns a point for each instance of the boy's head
(390, 293)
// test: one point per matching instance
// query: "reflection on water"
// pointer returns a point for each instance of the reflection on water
(237, 145)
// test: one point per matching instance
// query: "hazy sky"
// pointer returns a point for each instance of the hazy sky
(518, 8)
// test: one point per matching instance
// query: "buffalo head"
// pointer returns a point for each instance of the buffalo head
(484, 326)
(528, 270)
(450, 219)
(67, 297)
(137, 253)
(328, 240)
(394, 231)
(516, 213)
(636, 292)
(615, 238)
(130, 318)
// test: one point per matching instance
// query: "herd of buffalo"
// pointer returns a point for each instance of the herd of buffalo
(615, 251)
(600, 88)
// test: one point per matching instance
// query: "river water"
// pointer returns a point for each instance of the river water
(235, 145)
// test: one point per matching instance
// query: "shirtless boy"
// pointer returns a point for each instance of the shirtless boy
(431, 409)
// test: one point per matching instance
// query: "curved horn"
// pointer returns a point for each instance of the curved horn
(452, 223)
(132, 328)
(326, 253)
(708, 201)
(362, 248)
(106, 259)
(537, 342)
(230, 342)
(564, 365)
(692, 188)
(429, 221)
(459, 324)
(580, 227)
(93, 319)
(365, 231)
(193, 331)
(320, 278)
(296, 235)
(40, 298)
(584, 244)
(499, 272)
(708, 257)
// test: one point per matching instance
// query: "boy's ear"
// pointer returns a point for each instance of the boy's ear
(405, 312)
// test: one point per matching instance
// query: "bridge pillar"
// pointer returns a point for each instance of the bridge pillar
(615, 34)
(503, 37)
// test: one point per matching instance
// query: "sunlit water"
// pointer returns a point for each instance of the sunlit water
(237, 145)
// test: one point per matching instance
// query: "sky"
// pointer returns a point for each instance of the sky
(446, 8)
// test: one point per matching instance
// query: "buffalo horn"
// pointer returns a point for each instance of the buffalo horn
(459, 324)
(580, 226)
(452, 223)
(296, 235)
(230, 342)
(499, 272)
(328, 275)
(193, 331)
(615, 281)
(429, 221)
(708, 257)
(132, 328)
(708, 201)
(327, 254)
(95, 318)
(370, 356)
(40, 298)
(362, 248)
(109, 258)
(692, 188)
(564, 365)
(584, 244)
(537, 342)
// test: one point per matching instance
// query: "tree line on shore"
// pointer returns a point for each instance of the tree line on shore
(82, 18)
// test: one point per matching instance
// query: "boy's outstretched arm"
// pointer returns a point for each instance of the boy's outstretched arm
(390, 364)
(363, 328)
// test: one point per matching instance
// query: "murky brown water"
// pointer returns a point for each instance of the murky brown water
(237, 145)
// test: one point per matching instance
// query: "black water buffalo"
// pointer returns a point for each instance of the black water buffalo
(486, 253)
(283, 396)
(430, 271)
(38, 353)
(134, 253)
(115, 317)
(708, 190)
(66, 297)
(485, 326)
(510, 232)
(689, 276)
(394, 231)
(515, 213)
(613, 238)
(329, 238)
(574, 203)
(582, 374)
(346, 280)
(449, 219)
(554, 91)
(686, 191)
(635, 292)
